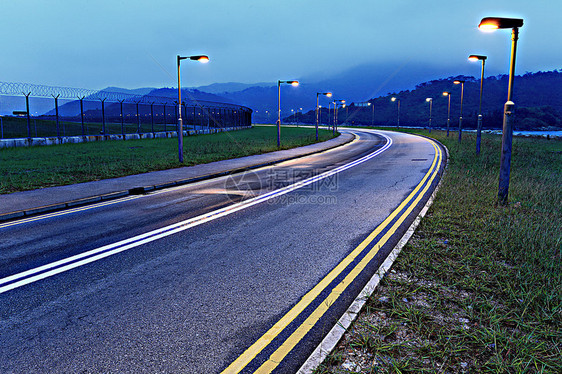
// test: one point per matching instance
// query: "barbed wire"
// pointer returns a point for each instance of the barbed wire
(37, 90)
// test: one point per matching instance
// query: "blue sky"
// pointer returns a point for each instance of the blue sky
(131, 44)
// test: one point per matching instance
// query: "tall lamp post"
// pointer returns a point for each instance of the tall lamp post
(294, 84)
(336, 102)
(479, 125)
(327, 94)
(448, 110)
(200, 58)
(372, 105)
(398, 122)
(494, 23)
(430, 101)
(461, 82)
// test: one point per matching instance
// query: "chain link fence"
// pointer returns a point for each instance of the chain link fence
(36, 111)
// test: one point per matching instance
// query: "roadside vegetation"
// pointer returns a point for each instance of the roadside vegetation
(36, 167)
(478, 289)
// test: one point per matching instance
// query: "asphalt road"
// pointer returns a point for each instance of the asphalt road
(223, 272)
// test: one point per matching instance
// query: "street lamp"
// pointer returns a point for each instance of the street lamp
(294, 84)
(430, 101)
(200, 58)
(327, 94)
(336, 102)
(448, 110)
(461, 82)
(372, 105)
(479, 125)
(493, 23)
(398, 100)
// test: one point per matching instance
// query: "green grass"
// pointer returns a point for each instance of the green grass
(479, 286)
(36, 167)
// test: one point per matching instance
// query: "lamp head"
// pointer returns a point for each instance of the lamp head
(458, 81)
(428, 99)
(446, 93)
(477, 58)
(392, 99)
(201, 58)
(294, 83)
(494, 23)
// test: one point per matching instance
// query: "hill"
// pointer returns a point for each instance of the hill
(537, 96)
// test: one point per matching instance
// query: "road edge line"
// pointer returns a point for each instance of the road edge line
(340, 328)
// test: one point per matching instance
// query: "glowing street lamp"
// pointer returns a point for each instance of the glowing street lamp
(479, 126)
(200, 58)
(327, 94)
(461, 82)
(398, 122)
(448, 110)
(292, 83)
(430, 101)
(490, 24)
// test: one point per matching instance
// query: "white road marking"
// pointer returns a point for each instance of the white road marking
(20, 279)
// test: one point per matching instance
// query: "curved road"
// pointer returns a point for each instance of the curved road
(244, 273)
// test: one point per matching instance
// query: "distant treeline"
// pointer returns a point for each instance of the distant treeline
(537, 97)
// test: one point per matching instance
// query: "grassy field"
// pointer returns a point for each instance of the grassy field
(35, 167)
(478, 289)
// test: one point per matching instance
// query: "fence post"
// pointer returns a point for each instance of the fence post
(103, 116)
(194, 121)
(122, 120)
(57, 115)
(164, 117)
(208, 119)
(28, 117)
(152, 118)
(82, 114)
(138, 119)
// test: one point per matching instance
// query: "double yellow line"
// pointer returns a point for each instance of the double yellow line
(287, 346)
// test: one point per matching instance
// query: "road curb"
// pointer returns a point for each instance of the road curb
(340, 328)
(143, 189)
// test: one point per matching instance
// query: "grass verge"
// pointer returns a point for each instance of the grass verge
(36, 167)
(478, 289)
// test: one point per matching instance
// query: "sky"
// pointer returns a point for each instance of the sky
(133, 44)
